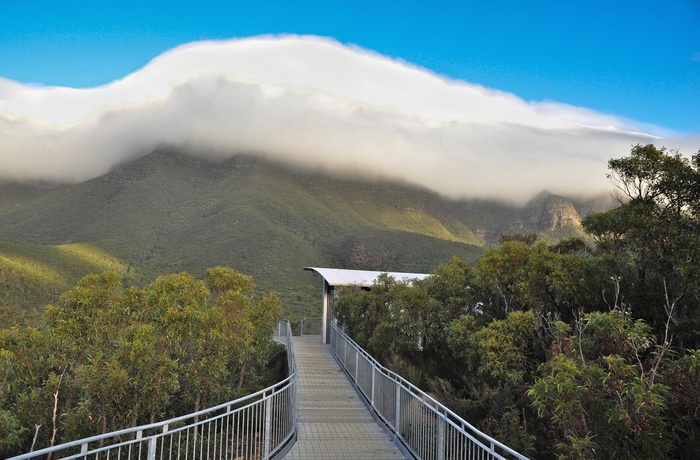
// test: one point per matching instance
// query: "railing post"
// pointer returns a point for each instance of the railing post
(301, 327)
(397, 417)
(441, 439)
(268, 426)
(357, 360)
(152, 448)
(345, 352)
(372, 397)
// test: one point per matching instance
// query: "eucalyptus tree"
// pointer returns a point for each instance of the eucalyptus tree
(653, 237)
(108, 357)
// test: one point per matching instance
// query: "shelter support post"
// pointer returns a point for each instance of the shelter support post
(326, 314)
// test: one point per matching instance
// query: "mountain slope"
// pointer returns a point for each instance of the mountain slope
(168, 212)
(31, 275)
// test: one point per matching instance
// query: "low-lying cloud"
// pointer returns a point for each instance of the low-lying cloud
(317, 104)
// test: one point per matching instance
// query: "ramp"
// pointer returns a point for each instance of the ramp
(333, 421)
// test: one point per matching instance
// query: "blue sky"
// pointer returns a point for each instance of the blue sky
(633, 59)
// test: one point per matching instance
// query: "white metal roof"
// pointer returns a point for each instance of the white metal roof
(364, 278)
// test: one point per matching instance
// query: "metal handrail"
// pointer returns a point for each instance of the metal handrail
(426, 428)
(308, 325)
(261, 425)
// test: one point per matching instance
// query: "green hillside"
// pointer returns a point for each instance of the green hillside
(168, 212)
(30, 275)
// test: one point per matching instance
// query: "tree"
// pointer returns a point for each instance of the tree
(372, 316)
(527, 238)
(453, 286)
(500, 271)
(656, 228)
(559, 375)
(503, 351)
(547, 280)
(152, 377)
(24, 367)
(194, 338)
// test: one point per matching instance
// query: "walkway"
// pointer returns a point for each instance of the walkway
(333, 421)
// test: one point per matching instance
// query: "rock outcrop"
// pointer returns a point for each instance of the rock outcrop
(546, 212)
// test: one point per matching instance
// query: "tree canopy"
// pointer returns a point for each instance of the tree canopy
(107, 356)
(652, 239)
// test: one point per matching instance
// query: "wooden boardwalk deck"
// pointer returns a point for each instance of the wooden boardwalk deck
(333, 421)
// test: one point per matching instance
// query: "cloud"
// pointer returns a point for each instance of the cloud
(317, 104)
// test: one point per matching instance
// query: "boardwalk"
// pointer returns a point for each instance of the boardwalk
(333, 421)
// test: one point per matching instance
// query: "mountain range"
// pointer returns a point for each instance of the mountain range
(169, 212)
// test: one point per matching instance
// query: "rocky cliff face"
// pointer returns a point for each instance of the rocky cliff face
(545, 212)
(551, 212)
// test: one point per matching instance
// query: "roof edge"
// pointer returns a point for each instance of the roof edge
(362, 278)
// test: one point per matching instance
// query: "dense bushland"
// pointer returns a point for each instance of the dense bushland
(107, 357)
(571, 350)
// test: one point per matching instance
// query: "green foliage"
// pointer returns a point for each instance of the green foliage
(501, 351)
(654, 236)
(500, 271)
(682, 376)
(526, 238)
(564, 350)
(600, 397)
(542, 278)
(222, 279)
(504, 347)
(452, 287)
(614, 333)
(108, 357)
(11, 431)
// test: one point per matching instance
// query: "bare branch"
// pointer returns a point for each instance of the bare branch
(670, 308)
(36, 434)
(581, 326)
(55, 413)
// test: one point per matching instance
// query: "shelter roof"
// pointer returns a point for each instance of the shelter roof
(363, 278)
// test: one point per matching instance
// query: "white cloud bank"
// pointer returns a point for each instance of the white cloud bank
(314, 103)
